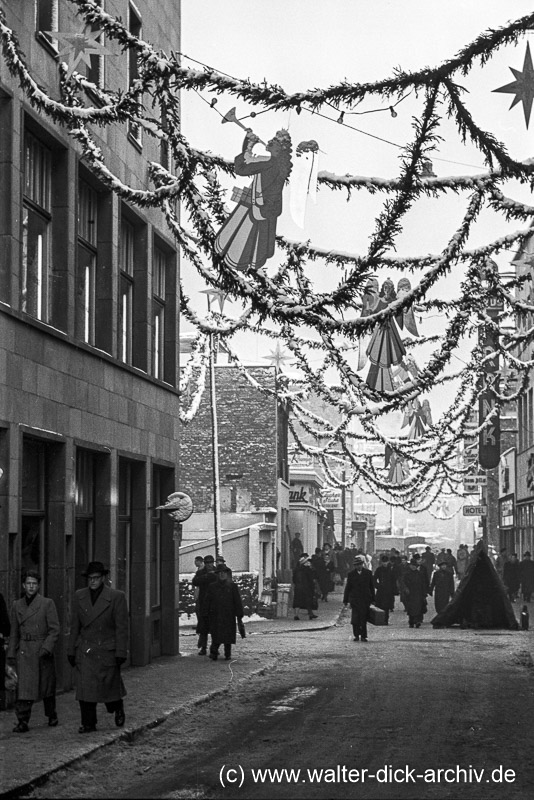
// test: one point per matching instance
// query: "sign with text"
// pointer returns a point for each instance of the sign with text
(475, 511)
(331, 498)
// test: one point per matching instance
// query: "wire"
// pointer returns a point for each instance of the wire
(323, 116)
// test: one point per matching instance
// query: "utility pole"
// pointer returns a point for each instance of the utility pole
(215, 451)
(343, 509)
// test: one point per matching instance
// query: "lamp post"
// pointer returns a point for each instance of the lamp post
(220, 296)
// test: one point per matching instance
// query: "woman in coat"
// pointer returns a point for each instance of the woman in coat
(34, 633)
(304, 587)
(442, 585)
(98, 646)
(224, 610)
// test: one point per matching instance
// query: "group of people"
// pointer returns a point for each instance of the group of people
(517, 576)
(218, 606)
(97, 648)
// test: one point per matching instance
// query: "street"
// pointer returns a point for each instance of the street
(410, 714)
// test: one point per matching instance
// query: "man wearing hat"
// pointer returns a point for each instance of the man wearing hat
(224, 611)
(304, 592)
(360, 593)
(98, 646)
(415, 588)
(201, 581)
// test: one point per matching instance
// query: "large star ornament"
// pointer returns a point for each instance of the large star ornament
(76, 48)
(278, 357)
(522, 87)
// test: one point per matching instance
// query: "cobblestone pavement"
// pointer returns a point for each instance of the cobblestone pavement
(155, 692)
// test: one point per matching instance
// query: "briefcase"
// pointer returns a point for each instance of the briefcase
(377, 616)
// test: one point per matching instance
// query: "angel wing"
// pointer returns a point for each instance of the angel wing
(369, 306)
(406, 318)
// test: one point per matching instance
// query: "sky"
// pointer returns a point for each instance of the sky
(304, 45)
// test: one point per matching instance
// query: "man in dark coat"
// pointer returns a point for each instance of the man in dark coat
(360, 593)
(429, 559)
(442, 585)
(297, 549)
(5, 627)
(224, 610)
(98, 646)
(526, 574)
(201, 581)
(34, 633)
(511, 578)
(415, 588)
(304, 587)
(384, 581)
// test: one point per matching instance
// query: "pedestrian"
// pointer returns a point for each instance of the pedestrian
(220, 561)
(451, 561)
(526, 575)
(511, 578)
(320, 573)
(401, 568)
(225, 610)
(199, 563)
(5, 628)
(501, 560)
(462, 560)
(328, 550)
(201, 581)
(442, 586)
(330, 569)
(98, 647)
(360, 593)
(33, 637)
(384, 582)
(297, 550)
(304, 591)
(441, 556)
(429, 559)
(415, 590)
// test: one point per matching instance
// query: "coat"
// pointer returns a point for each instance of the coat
(224, 607)
(304, 591)
(526, 574)
(511, 577)
(442, 586)
(385, 584)
(359, 589)
(202, 581)
(34, 634)
(415, 588)
(98, 635)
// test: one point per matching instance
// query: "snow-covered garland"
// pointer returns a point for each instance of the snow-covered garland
(288, 299)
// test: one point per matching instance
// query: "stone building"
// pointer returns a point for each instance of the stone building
(88, 342)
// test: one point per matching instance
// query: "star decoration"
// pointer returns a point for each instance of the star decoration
(215, 294)
(78, 48)
(523, 86)
(278, 357)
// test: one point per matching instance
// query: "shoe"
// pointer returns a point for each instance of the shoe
(364, 640)
(296, 617)
(202, 651)
(120, 718)
(87, 729)
(356, 639)
(227, 658)
(214, 656)
(314, 616)
(411, 624)
(53, 721)
(417, 624)
(21, 727)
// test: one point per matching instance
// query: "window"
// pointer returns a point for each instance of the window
(36, 228)
(126, 290)
(124, 534)
(33, 506)
(46, 18)
(158, 322)
(134, 27)
(86, 263)
(95, 72)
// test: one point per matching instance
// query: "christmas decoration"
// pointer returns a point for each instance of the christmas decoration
(523, 86)
(77, 48)
(278, 357)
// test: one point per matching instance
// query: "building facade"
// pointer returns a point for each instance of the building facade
(88, 344)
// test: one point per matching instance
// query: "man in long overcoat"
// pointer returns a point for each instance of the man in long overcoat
(98, 646)
(442, 585)
(385, 584)
(34, 633)
(225, 611)
(526, 574)
(415, 588)
(203, 578)
(360, 593)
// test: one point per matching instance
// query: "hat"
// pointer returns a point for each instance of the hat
(209, 558)
(222, 568)
(358, 560)
(304, 557)
(93, 567)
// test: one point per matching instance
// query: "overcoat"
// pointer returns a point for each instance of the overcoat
(414, 591)
(443, 587)
(201, 581)
(304, 591)
(526, 574)
(34, 633)
(359, 589)
(385, 585)
(99, 634)
(224, 607)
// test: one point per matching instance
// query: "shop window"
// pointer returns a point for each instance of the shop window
(84, 513)
(124, 532)
(126, 291)
(33, 500)
(86, 263)
(36, 228)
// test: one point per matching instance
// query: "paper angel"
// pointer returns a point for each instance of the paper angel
(385, 349)
(247, 238)
(369, 306)
(397, 472)
(406, 318)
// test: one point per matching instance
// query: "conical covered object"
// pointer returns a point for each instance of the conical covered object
(480, 601)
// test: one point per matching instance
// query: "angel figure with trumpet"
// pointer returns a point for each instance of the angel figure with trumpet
(247, 238)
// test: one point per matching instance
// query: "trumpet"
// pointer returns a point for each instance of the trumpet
(231, 116)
